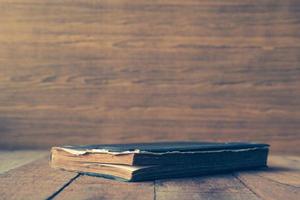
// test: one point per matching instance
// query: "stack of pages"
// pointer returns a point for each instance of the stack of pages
(149, 161)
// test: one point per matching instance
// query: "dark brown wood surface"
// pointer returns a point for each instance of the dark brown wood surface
(38, 181)
(85, 71)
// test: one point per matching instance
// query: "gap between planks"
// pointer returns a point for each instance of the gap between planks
(162, 189)
(63, 187)
(246, 186)
(154, 190)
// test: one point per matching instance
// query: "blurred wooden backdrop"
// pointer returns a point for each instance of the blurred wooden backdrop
(88, 71)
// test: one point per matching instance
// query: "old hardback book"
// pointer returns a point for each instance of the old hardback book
(149, 161)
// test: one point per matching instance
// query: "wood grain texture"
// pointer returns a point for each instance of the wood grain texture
(35, 180)
(38, 181)
(132, 70)
(86, 187)
(13, 159)
(213, 187)
(281, 181)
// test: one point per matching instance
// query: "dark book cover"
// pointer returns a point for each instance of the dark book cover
(165, 147)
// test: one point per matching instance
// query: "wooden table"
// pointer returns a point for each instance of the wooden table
(25, 175)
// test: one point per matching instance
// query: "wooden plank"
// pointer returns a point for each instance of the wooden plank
(87, 187)
(125, 71)
(14, 159)
(35, 180)
(210, 187)
(280, 181)
(284, 169)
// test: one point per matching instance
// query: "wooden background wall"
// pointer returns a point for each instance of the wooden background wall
(87, 71)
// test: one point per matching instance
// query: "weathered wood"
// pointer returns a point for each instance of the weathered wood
(38, 181)
(13, 159)
(284, 169)
(211, 187)
(281, 181)
(133, 70)
(87, 187)
(35, 180)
